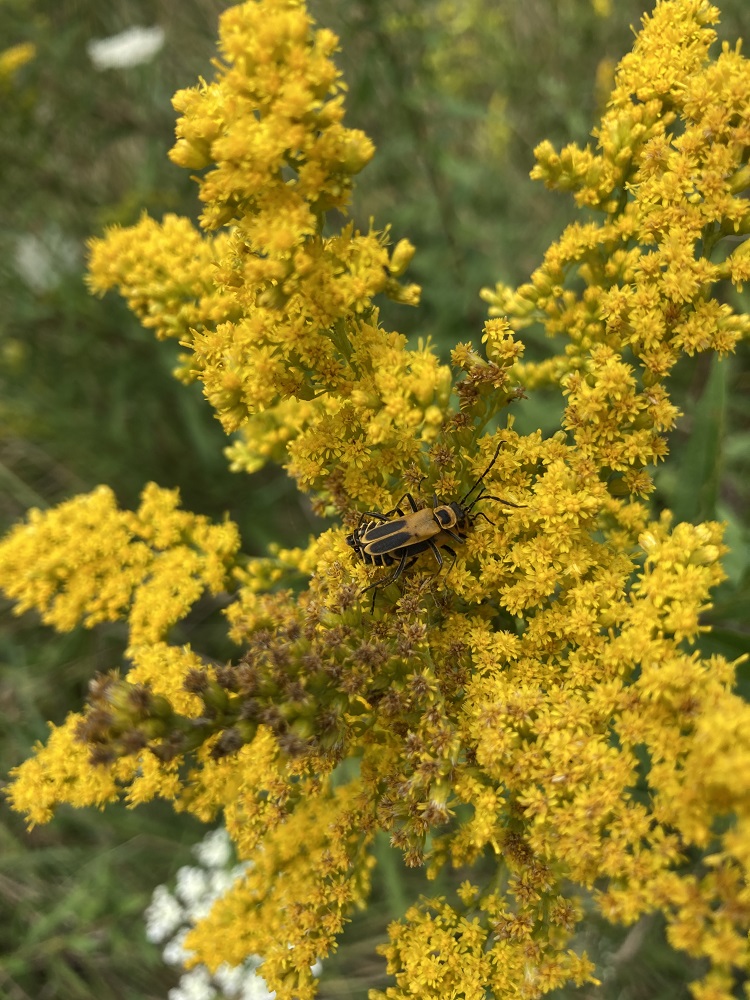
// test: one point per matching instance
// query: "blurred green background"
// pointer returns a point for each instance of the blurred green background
(455, 94)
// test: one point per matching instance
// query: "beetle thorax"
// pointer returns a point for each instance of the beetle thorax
(448, 515)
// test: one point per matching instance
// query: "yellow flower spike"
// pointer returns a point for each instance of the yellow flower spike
(263, 332)
(61, 771)
(322, 844)
(677, 188)
(77, 562)
(12, 59)
(87, 562)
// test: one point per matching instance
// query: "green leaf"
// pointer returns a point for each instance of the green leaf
(700, 460)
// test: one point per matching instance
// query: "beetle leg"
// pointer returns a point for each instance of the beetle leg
(453, 563)
(384, 518)
(436, 552)
(387, 580)
(402, 564)
(370, 513)
(412, 504)
(454, 536)
(449, 550)
(392, 577)
(378, 516)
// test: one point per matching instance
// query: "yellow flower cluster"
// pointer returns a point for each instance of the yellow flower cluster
(86, 561)
(539, 706)
(279, 317)
(312, 869)
(165, 274)
(664, 185)
(439, 952)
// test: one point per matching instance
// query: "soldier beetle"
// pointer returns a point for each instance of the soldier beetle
(398, 537)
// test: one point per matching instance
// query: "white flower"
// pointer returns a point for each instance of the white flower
(163, 915)
(193, 886)
(220, 882)
(175, 953)
(42, 262)
(194, 985)
(255, 988)
(215, 850)
(229, 978)
(241, 982)
(128, 48)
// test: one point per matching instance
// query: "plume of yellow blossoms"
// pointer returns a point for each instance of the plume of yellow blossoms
(540, 712)
(12, 59)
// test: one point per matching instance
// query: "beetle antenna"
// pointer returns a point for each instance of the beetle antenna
(494, 459)
(483, 496)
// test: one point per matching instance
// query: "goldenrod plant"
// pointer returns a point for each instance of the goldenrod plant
(538, 709)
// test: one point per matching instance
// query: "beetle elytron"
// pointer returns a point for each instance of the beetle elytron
(382, 539)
